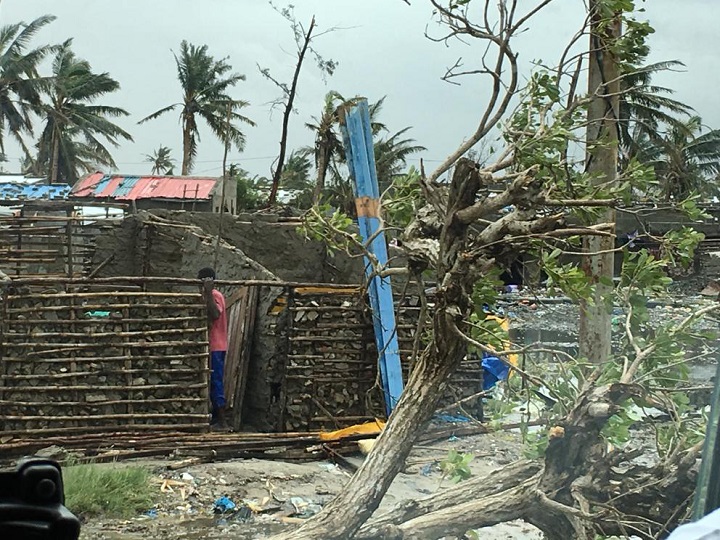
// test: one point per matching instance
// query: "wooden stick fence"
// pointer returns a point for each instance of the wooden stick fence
(77, 361)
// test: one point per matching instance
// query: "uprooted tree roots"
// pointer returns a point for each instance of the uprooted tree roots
(580, 490)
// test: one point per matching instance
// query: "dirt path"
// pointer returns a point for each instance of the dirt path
(285, 493)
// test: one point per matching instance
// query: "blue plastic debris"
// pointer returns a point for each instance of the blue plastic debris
(98, 314)
(222, 505)
(426, 469)
(451, 418)
(152, 513)
(494, 370)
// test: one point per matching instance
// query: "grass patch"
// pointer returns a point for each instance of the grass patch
(112, 491)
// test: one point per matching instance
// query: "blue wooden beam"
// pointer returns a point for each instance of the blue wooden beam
(357, 139)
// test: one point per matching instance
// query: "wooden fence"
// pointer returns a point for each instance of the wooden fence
(77, 359)
(47, 239)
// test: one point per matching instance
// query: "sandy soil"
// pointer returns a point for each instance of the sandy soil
(187, 511)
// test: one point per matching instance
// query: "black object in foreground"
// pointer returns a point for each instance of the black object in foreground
(32, 501)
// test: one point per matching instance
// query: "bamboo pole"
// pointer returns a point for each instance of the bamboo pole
(106, 388)
(104, 307)
(13, 403)
(74, 418)
(94, 359)
(103, 429)
(95, 321)
(80, 346)
(103, 372)
(104, 294)
(98, 335)
(187, 281)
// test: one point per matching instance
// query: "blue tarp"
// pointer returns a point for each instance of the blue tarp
(494, 370)
(31, 192)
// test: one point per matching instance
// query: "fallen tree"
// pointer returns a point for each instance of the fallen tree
(462, 235)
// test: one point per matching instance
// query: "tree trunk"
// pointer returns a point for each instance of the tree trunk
(602, 160)
(322, 162)
(186, 147)
(286, 115)
(361, 496)
(473, 489)
(55, 160)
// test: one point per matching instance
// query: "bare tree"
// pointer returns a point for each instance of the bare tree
(303, 41)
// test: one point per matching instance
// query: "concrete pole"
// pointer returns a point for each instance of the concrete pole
(601, 163)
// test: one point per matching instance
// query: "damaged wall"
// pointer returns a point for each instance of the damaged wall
(277, 246)
(148, 245)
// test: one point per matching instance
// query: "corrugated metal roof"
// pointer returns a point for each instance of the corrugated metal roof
(30, 192)
(129, 188)
(20, 179)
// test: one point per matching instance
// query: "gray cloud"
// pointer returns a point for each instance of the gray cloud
(382, 51)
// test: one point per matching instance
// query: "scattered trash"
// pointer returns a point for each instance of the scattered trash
(169, 486)
(368, 428)
(426, 470)
(98, 314)
(494, 370)
(366, 445)
(223, 505)
(451, 418)
(187, 477)
(304, 509)
(333, 468)
(453, 438)
(244, 513)
(152, 513)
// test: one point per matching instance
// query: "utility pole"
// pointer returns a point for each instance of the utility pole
(601, 162)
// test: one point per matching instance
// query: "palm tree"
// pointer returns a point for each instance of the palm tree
(205, 83)
(296, 172)
(646, 109)
(391, 154)
(161, 161)
(328, 143)
(20, 83)
(685, 160)
(75, 127)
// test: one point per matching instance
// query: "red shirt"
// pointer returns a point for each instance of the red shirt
(218, 329)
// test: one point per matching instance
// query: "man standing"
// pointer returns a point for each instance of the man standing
(218, 330)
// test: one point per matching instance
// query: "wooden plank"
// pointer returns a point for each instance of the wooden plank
(242, 328)
(357, 140)
(232, 358)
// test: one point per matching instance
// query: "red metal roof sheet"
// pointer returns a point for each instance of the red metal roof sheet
(129, 187)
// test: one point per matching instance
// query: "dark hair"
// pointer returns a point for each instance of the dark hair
(206, 272)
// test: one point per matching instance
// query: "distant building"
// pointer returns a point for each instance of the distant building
(17, 188)
(201, 194)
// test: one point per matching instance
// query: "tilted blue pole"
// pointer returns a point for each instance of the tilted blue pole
(357, 139)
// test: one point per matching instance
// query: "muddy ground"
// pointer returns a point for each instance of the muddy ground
(284, 494)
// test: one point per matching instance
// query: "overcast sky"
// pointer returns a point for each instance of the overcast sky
(381, 51)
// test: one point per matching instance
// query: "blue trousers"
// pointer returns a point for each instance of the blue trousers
(217, 379)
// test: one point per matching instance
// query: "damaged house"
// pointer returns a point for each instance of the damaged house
(195, 193)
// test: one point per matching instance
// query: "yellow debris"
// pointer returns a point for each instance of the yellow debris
(368, 428)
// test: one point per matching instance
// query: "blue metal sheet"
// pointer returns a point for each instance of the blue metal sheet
(11, 191)
(101, 185)
(126, 185)
(357, 139)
